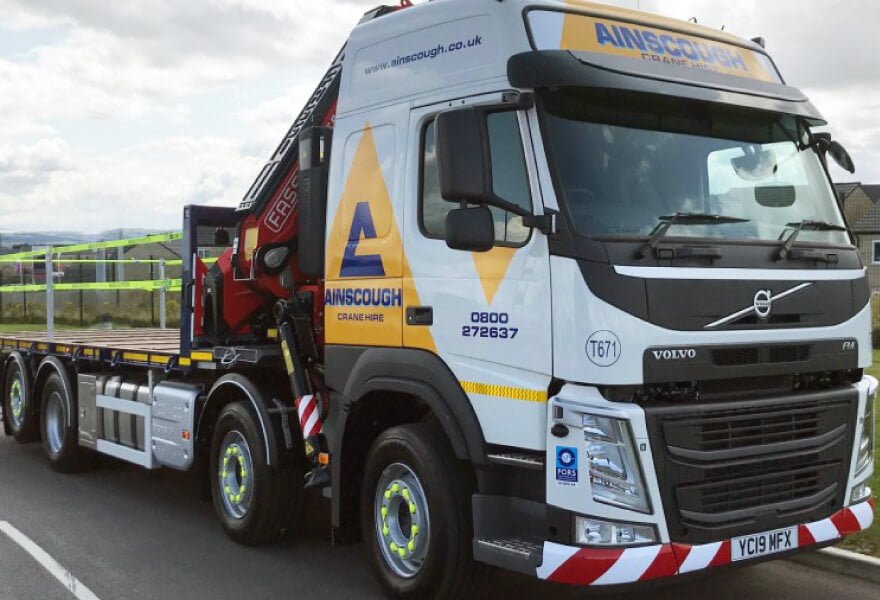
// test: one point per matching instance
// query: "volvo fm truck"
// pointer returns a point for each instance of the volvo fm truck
(554, 287)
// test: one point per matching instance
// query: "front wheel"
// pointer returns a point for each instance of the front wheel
(255, 502)
(416, 514)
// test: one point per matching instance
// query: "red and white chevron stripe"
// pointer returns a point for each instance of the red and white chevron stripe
(593, 566)
(309, 416)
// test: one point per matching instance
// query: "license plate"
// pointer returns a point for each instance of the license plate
(762, 544)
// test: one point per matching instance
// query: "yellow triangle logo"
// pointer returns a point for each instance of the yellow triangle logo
(492, 267)
(364, 241)
(364, 248)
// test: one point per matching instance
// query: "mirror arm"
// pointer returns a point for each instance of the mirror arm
(545, 223)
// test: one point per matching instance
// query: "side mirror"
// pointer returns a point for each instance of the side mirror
(471, 229)
(841, 157)
(314, 160)
(838, 153)
(463, 156)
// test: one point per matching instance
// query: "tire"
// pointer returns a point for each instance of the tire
(256, 504)
(414, 476)
(58, 422)
(18, 406)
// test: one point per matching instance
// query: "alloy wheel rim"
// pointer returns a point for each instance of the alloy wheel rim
(16, 401)
(403, 524)
(235, 474)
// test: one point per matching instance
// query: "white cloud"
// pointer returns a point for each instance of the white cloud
(141, 186)
(119, 113)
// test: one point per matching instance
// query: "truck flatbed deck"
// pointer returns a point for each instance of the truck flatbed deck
(144, 347)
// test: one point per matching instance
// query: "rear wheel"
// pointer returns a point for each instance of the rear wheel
(59, 428)
(17, 402)
(416, 513)
(255, 503)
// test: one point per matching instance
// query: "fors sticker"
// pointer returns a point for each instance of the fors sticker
(566, 465)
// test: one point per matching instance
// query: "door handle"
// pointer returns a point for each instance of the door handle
(419, 315)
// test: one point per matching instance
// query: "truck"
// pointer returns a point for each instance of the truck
(552, 287)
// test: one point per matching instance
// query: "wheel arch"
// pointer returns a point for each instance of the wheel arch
(230, 388)
(413, 385)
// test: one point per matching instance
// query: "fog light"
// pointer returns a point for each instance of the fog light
(860, 493)
(594, 532)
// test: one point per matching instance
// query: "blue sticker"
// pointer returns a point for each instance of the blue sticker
(566, 464)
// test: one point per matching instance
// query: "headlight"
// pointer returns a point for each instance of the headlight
(593, 532)
(866, 441)
(615, 476)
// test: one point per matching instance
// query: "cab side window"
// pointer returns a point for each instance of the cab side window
(509, 181)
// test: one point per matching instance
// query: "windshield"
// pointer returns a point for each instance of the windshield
(624, 161)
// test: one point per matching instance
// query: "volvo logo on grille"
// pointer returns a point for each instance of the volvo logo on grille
(763, 303)
(674, 354)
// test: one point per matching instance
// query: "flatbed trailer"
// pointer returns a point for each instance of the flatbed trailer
(158, 348)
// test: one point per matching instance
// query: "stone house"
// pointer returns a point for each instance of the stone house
(861, 206)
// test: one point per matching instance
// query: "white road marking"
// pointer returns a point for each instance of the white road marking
(50, 564)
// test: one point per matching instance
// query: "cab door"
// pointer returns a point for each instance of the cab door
(486, 314)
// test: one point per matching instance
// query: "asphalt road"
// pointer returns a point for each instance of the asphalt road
(127, 533)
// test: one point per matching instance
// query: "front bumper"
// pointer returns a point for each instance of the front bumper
(601, 567)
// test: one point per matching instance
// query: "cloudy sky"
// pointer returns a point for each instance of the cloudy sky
(119, 113)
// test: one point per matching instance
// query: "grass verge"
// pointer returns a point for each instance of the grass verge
(6, 327)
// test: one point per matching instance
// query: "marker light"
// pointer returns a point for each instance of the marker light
(615, 476)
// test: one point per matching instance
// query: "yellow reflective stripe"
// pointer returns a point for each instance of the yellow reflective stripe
(88, 247)
(185, 362)
(504, 391)
(135, 356)
(147, 285)
(201, 356)
(288, 361)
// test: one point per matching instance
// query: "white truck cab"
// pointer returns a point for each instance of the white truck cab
(617, 234)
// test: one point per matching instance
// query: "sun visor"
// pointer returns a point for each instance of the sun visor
(576, 50)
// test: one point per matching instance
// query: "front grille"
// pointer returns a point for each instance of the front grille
(723, 430)
(719, 500)
(728, 357)
(733, 468)
(735, 356)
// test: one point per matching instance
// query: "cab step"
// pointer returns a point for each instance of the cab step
(524, 460)
(514, 554)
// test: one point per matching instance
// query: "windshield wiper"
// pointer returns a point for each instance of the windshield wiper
(667, 222)
(797, 228)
